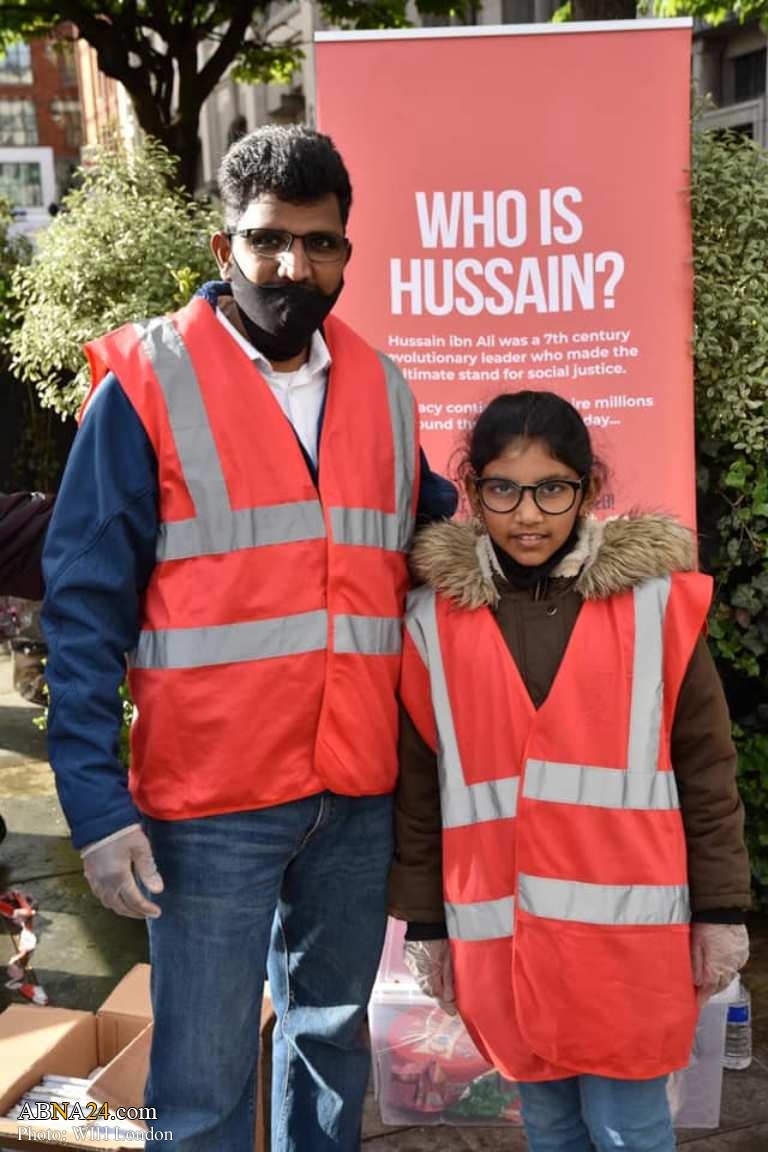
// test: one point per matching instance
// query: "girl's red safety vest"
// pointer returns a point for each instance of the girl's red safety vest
(564, 854)
(269, 654)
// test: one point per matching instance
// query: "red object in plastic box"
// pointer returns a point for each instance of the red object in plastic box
(426, 1067)
(432, 1059)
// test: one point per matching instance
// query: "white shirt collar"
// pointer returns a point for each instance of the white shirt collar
(318, 361)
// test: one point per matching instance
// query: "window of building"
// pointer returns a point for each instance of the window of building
(729, 135)
(61, 51)
(18, 123)
(22, 184)
(16, 65)
(749, 75)
(519, 11)
(66, 113)
(66, 171)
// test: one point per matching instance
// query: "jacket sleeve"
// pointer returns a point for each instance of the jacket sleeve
(704, 761)
(416, 878)
(24, 520)
(98, 557)
(438, 497)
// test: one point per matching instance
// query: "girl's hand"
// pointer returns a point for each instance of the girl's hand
(429, 962)
(718, 952)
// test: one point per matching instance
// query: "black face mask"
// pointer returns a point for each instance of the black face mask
(280, 318)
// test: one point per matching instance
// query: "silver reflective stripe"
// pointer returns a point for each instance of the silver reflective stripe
(647, 706)
(216, 528)
(232, 643)
(604, 903)
(599, 787)
(367, 528)
(414, 631)
(477, 803)
(245, 528)
(461, 803)
(486, 920)
(369, 635)
(402, 415)
(455, 807)
(188, 418)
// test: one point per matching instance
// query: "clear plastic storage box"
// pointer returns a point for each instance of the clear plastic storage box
(428, 1071)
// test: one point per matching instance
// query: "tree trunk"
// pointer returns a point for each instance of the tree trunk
(604, 9)
(183, 141)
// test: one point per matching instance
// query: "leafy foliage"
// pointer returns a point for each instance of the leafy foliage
(730, 238)
(712, 11)
(124, 246)
(14, 250)
(392, 13)
(170, 56)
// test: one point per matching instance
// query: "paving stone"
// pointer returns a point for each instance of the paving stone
(752, 1138)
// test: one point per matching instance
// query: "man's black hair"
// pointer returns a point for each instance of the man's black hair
(293, 163)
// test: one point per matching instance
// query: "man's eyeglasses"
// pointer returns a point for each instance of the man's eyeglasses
(554, 497)
(269, 243)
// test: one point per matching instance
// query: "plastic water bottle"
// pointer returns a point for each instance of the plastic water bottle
(738, 1030)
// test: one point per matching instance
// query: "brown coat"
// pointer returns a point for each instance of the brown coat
(536, 625)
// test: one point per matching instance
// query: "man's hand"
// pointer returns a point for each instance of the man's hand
(429, 962)
(109, 867)
(718, 952)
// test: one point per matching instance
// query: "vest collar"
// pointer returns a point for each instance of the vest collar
(610, 556)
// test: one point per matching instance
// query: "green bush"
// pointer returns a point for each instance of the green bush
(14, 250)
(125, 246)
(730, 247)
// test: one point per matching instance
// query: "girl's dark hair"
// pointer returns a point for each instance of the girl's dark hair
(530, 416)
(294, 163)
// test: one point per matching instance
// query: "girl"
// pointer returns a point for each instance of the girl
(567, 813)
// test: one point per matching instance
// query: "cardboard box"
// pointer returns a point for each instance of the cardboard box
(35, 1042)
(126, 1011)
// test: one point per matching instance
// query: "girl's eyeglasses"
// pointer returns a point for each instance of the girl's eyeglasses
(553, 497)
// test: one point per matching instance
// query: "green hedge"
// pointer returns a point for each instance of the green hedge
(730, 243)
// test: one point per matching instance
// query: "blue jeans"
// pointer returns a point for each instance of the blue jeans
(298, 889)
(584, 1113)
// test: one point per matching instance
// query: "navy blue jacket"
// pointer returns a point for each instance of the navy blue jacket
(98, 559)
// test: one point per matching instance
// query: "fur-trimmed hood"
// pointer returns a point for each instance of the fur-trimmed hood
(610, 556)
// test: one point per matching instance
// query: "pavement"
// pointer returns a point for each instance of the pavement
(84, 950)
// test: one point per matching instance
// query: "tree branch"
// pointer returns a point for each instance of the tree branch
(229, 46)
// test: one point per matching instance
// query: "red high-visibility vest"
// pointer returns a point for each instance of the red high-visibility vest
(269, 654)
(564, 854)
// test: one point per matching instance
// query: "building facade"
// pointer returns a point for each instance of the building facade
(234, 109)
(730, 66)
(40, 125)
(107, 113)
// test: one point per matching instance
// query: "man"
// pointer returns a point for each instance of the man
(236, 515)
(24, 520)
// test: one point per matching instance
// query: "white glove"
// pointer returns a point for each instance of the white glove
(718, 952)
(109, 867)
(429, 962)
